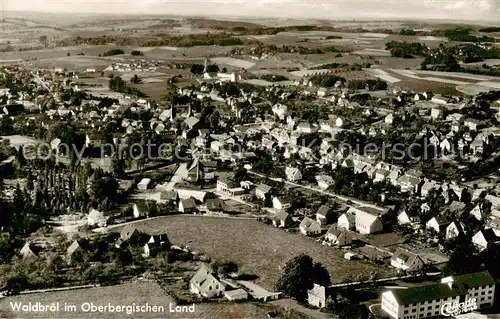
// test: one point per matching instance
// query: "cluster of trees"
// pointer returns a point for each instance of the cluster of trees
(326, 80)
(345, 66)
(113, 52)
(137, 53)
(299, 275)
(208, 39)
(274, 77)
(101, 40)
(117, 84)
(370, 84)
(198, 69)
(406, 50)
(463, 35)
(407, 32)
(490, 29)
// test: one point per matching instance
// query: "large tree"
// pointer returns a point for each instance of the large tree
(299, 275)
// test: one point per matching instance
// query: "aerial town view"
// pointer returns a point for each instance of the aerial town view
(259, 159)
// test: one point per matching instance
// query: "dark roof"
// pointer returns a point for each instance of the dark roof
(142, 206)
(264, 188)
(324, 210)
(436, 291)
(282, 215)
(169, 195)
(127, 232)
(215, 204)
(189, 203)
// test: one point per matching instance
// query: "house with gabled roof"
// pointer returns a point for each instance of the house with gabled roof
(325, 215)
(282, 219)
(484, 238)
(281, 203)
(317, 296)
(171, 196)
(206, 284)
(29, 250)
(262, 191)
(140, 209)
(494, 224)
(406, 260)
(437, 223)
(347, 220)
(77, 247)
(454, 230)
(407, 217)
(338, 236)
(293, 174)
(187, 205)
(96, 218)
(309, 227)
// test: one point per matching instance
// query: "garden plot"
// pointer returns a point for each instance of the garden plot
(238, 63)
(383, 75)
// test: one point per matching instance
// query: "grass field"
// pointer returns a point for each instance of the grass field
(257, 248)
(139, 293)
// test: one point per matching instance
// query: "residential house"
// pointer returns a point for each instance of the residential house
(409, 218)
(309, 227)
(169, 197)
(347, 220)
(293, 174)
(140, 209)
(494, 224)
(437, 223)
(187, 205)
(483, 238)
(282, 219)
(472, 124)
(306, 128)
(206, 284)
(75, 251)
(381, 175)
(405, 260)
(144, 184)
(29, 250)
(317, 296)
(324, 181)
(338, 236)
(280, 111)
(281, 203)
(96, 218)
(325, 215)
(13, 109)
(454, 230)
(477, 212)
(155, 245)
(262, 191)
(494, 200)
(215, 205)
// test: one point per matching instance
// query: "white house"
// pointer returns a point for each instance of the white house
(483, 238)
(405, 260)
(293, 174)
(309, 227)
(317, 296)
(436, 223)
(338, 236)
(144, 184)
(96, 218)
(262, 191)
(324, 181)
(140, 209)
(454, 230)
(205, 284)
(407, 218)
(281, 203)
(347, 220)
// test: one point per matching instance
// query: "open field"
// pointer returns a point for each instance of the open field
(138, 293)
(257, 248)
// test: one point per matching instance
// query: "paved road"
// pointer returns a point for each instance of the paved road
(180, 174)
(315, 189)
